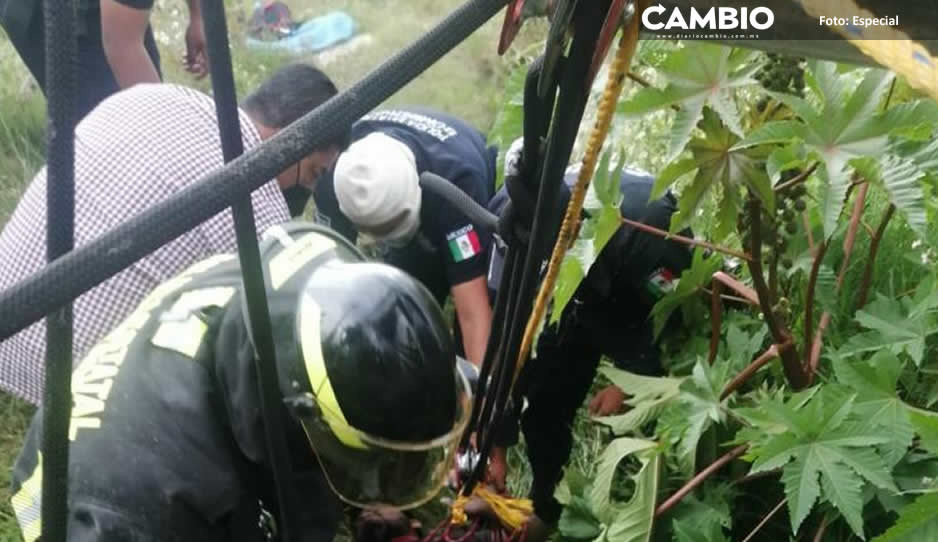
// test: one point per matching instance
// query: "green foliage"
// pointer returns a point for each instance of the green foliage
(825, 448)
(695, 277)
(901, 326)
(648, 398)
(704, 519)
(698, 74)
(918, 522)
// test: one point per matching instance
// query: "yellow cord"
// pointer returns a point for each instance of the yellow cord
(511, 512)
(607, 106)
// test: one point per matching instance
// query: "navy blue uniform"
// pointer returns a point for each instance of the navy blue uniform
(608, 315)
(449, 248)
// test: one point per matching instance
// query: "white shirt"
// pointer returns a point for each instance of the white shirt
(136, 148)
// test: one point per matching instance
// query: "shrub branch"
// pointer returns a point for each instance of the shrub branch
(871, 259)
(699, 478)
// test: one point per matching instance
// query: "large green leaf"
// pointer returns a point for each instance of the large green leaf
(648, 397)
(697, 75)
(685, 531)
(721, 162)
(700, 395)
(577, 521)
(878, 403)
(894, 325)
(926, 425)
(901, 178)
(917, 523)
(703, 515)
(634, 521)
(827, 451)
(615, 452)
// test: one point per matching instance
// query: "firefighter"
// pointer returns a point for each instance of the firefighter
(167, 436)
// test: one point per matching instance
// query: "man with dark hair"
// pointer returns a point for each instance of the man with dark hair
(136, 149)
(167, 439)
(115, 47)
(374, 190)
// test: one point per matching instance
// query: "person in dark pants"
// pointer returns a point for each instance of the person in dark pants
(115, 40)
(609, 315)
(167, 439)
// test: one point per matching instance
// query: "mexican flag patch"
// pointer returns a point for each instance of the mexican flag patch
(463, 243)
(661, 281)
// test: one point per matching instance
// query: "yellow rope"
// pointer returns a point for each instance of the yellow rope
(889, 46)
(511, 512)
(607, 106)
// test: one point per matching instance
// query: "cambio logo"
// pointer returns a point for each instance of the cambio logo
(722, 18)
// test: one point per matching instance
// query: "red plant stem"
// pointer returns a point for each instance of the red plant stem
(771, 353)
(822, 528)
(791, 363)
(849, 241)
(716, 319)
(807, 228)
(800, 178)
(748, 293)
(866, 282)
(765, 520)
(699, 478)
(809, 296)
(685, 240)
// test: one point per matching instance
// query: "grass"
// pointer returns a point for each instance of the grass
(466, 83)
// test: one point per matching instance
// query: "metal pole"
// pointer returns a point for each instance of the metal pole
(61, 44)
(229, 127)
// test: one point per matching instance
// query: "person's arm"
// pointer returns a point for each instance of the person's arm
(474, 313)
(122, 31)
(196, 59)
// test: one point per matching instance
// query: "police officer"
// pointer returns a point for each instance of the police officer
(609, 315)
(167, 439)
(374, 190)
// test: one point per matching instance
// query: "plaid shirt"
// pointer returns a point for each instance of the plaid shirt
(137, 148)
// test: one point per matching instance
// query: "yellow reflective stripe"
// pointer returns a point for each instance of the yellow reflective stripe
(183, 337)
(27, 504)
(182, 331)
(285, 264)
(311, 348)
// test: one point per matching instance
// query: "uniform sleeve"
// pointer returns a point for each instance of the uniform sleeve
(463, 244)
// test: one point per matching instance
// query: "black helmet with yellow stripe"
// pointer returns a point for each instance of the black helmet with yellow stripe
(376, 385)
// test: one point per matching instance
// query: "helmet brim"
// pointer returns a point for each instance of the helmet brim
(368, 471)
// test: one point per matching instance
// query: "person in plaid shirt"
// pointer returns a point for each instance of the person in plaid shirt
(139, 147)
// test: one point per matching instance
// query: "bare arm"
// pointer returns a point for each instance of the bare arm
(196, 58)
(122, 31)
(475, 317)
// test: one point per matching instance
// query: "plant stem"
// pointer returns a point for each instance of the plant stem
(798, 179)
(699, 478)
(685, 240)
(849, 240)
(822, 528)
(716, 320)
(767, 356)
(871, 259)
(765, 519)
(794, 370)
(756, 476)
(809, 296)
(748, 293)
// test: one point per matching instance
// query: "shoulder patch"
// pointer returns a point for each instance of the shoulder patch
(661, 281)
(463, 243)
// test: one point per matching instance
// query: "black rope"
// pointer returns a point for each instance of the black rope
(252, 273)
(458, 199)
(60, 223)
(82, 269)
(571, 104)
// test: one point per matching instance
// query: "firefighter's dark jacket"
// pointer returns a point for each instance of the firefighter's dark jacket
(167, 436)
